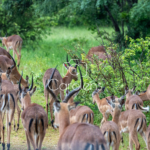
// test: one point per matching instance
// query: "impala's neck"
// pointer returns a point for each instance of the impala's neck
(67, 79)
(128, 94)
(26, 101)
(15, 77)
(4, 76)
(146, 96)
(116, 115)
(96, 99)
(64, 120)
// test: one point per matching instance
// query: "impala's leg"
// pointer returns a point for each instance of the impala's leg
(130, 142)
(51, 107)
(10, 116)
(103, 120)
(1, 125)
(41, 139)
(3, 131)
(143, 134)
(134, 138)
(28, 142)
(15, 52)
(19, 48)
(46, 97)
(14, 125)
(18, 112)
(32, 140)
(8, 49)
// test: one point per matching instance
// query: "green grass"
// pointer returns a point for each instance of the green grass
(51, 53)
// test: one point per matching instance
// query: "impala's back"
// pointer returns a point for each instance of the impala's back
(99, 51)
(81, 114)
(4, 52)
(91, 135)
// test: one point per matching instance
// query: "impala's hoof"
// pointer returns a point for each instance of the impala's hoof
(8, 146)
(3, 146)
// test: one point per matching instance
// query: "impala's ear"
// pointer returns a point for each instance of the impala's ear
(32, 91)
(126, 89)
(137, 92)
(65, 65)
(113, 98)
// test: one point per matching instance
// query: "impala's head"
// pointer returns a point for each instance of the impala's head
(96, 93)
(61, 110)
(116, 106)
(116, 99)
(3, 40)
(129, 92)
(13, 74)
(72, 71)
(25, 94)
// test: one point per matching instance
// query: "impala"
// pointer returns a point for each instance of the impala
(133, 122)
(134, 101)
(80, 113)
(11, 72)
(59, 84)
(99, 51)
(34, 119)
(102, 104)
(7, 106)
(13, 42)
(77, 136)
(110, 129)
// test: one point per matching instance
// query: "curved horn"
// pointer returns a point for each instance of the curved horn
(31, 85)
(13, 61)
(20, 85)
(50, 90)
(68, 61)
(70, 94)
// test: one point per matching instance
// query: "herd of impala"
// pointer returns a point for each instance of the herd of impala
(75, 123)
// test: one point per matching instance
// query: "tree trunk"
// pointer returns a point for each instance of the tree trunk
(117, 29)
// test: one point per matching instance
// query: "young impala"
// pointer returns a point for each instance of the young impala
(13, 42)
(110, 129)
(77, 136)
(134, 101)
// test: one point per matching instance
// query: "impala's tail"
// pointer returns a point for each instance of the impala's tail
(140, 107)
(91, 146)
(110, 137)
(36, 125)
(87, 118)
(140, 124)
